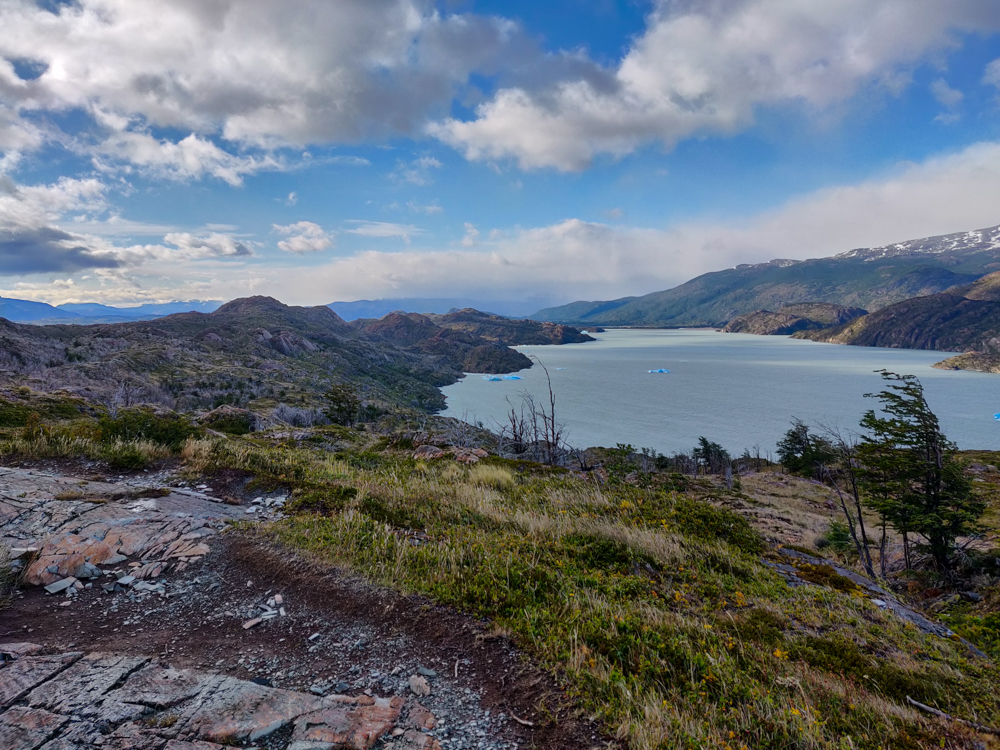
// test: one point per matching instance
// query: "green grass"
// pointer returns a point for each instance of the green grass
(653, 607)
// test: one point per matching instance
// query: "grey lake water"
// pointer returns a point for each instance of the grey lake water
(739, 390)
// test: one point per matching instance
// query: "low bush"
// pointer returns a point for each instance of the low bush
(168, 428)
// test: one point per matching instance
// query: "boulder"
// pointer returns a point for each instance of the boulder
(428, 452)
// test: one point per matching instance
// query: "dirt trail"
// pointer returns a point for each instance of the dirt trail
(298, 657)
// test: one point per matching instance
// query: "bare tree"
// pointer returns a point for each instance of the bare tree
(847, 473)
(124, 396)
(531, 429)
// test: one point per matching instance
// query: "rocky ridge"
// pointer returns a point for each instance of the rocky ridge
(790, 319)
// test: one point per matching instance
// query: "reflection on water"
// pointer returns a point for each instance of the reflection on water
(737, 389)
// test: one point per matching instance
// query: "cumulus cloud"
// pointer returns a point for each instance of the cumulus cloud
(264, 74)
(259, 72)
(303, 237)
(29, 240)
(702, 66)
(28, 250)
(35, 237)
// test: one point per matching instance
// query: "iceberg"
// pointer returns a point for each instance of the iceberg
(997, 417)
(511, 377)
(492, 378)
(661, 370)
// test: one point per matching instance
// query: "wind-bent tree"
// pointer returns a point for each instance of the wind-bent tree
(910, 473)
(803, 453)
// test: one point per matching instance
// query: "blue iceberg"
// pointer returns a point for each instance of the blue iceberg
(511, 377)
(997, 417)
(661, 370)
(492, 378)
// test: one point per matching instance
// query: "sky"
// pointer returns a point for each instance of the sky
(536, 153)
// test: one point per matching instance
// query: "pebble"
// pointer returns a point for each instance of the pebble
(419, 686)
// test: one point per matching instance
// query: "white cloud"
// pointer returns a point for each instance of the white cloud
(416, 172)
(292, 199)
(991, 76)
(214, 245)
(191, 158)
(432, 208)
(471, 237)
(303, 237)
(383, 229)
(703, 66)
(945, 94)
(350, 161)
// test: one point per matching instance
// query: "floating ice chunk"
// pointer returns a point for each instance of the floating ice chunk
(511, 377)
(997, 417)
(661, 370)
(560, 368)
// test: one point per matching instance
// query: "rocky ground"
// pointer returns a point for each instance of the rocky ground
(150, 622)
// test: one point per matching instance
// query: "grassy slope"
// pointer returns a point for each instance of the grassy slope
(654, 604)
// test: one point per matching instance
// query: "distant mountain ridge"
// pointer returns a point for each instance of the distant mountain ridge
(378, 308)
(27, 311)
(869, 278)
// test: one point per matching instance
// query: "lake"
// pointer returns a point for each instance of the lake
(739, 390)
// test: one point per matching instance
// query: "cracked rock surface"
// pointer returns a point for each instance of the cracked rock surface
(104, 700)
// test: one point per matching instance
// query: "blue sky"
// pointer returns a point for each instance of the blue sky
(529, 152)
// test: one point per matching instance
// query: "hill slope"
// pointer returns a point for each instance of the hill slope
(789, 319)
(966, 319)
(870, 278)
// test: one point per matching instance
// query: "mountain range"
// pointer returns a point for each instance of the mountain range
(869, 278)
(27, 311)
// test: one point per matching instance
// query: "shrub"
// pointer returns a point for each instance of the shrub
(169, 429)
(230, 420)
(837, 538)
(13, 415)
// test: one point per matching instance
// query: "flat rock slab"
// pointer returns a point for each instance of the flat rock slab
(235, 710)
(349, 722)
(78, 525)
(18, 679)
(24, 728)
(128, 703)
